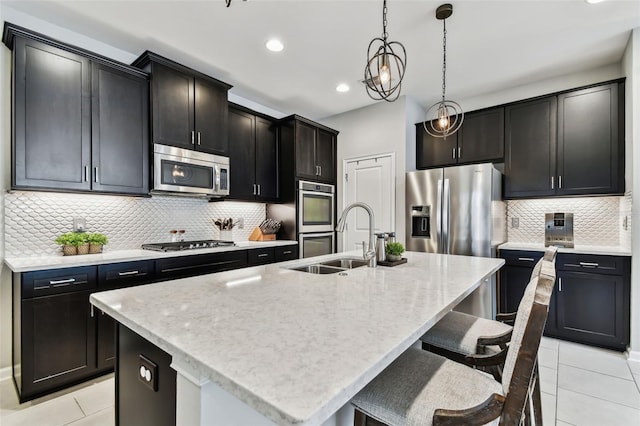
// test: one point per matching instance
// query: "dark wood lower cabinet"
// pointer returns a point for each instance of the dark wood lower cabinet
(140, 402)
(590, 302)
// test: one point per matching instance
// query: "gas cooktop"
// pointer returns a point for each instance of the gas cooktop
(187, 245)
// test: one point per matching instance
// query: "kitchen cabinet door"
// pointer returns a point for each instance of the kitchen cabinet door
(266, 159)
(242, 154)
(513, 281)
(105, 340)
(434, 152)
(593, 309)
(58, 342)
(211, 118)
(481, 138)
(52, 117)
(172, 97)
(326, 156)
(120, 139)
(305, 138)
(590, 142)
(530, 147)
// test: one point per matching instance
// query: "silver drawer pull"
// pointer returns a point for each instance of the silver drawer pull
(589, 264)
(263, 255)
(122, 274)
(528, 259)
(58, 282)
(287, 252)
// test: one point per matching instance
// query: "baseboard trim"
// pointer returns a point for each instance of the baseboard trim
(5, 373)
(633, 357)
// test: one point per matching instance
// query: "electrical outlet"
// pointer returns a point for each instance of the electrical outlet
(240, 222)
(79, 224)
(515, 222)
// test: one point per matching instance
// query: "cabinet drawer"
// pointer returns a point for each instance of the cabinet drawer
(286, 253)
(124, 274)
(608, 265)
(188, 266)
(57, 281)
(260, 256)
(521, 258)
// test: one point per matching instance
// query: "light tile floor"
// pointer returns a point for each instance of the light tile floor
(581, 386)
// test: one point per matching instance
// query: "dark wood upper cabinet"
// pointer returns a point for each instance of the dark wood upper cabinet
(52, 117)
(568, 144)
(253, 149)
(434, 152)
(590, 142)
(120, 140)
(530, 144)
(480, 139)
(188, 108)
(80, 120)
(313, 147)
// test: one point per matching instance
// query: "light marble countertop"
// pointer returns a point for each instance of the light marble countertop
(579, 249)
(26, 264)
(296, 346)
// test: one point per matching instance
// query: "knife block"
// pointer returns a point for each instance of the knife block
(257, 235)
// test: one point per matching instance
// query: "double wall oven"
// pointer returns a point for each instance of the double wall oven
(316, 213)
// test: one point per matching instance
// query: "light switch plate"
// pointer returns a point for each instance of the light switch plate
(515, 222)
(79, 224)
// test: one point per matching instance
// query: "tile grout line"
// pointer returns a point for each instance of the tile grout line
(601, 399)
(597, 372)
(79, 406)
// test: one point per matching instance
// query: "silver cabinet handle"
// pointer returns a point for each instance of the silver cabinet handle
(124, 274)
(459, 153)
(193, 137)
(91, 311)
(259, 189)
(58, 282)
(95, 174)
(255, 190)
(527, 259)
(589, 264)
(320, 169)
(263, 255)
(559, 181)
(453, 153)
(559, 284)
(287, 252)
(86, 173)
(198, 138)
(552, 182)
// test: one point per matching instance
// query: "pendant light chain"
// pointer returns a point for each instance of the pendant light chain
(444, 58)
(384, 20)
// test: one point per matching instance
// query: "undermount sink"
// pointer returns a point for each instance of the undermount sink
(332, 266)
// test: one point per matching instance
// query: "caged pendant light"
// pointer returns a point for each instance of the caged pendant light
(445, 117)
(386, 62)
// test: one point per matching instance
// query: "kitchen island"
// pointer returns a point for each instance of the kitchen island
(268, 344)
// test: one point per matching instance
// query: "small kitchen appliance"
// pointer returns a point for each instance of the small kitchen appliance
(558, 230)
(187, 245)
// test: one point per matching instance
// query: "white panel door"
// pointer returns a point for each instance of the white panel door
(369, 180)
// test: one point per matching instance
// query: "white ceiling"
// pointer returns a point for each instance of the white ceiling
(492, 45)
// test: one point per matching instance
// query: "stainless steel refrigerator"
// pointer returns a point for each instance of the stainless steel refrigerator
(458, 210)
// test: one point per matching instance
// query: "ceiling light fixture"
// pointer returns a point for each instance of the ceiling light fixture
(594, 1)
(385, 66)
(342, 87)
(274, 45)
(445, 117)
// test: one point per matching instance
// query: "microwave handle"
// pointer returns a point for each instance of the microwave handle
(217, 177)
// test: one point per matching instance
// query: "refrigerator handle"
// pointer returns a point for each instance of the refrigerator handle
(439, 230)
(446, 217)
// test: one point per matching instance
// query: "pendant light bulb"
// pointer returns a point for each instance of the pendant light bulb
(385, 72)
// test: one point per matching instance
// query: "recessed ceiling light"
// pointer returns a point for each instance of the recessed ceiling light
(594, 1)
(274, 45)
(342, 87)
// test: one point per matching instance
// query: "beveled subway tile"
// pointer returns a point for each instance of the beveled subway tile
(595, 359)
(610, 388)
(584, 410)
(56, 412)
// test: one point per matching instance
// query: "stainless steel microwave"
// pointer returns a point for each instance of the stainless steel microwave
(178, 171)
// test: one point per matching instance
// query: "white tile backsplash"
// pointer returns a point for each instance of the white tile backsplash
(34, 219)
(597, 221)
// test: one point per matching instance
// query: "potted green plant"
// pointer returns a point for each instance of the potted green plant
(70, 242)
(394, 251)
(96, 242)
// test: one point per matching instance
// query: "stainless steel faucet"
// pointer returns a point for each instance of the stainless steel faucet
(370, 253)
